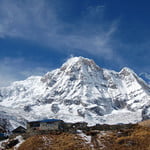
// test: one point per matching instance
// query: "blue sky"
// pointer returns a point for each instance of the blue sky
(39, 35)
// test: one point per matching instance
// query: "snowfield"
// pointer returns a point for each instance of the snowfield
(77, 91)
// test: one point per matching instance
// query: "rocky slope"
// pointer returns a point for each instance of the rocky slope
(128, 139)
(135, 137)
(78, 91)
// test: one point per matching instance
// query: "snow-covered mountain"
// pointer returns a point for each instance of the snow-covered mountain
(78, 91)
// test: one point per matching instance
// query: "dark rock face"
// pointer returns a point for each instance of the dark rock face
(48, 100)
(146, 113)
(27, 108)
(76, 102)
(119, 104)
(97, 110)
(72, 78)
(125, 72)
(4, 123)
(68, 102)
(81, 113)
(11, 144)
(1, 95)
(52, 82)
(2, 130)
(55, 108)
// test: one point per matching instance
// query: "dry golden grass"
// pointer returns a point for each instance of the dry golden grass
(64, 141)
(145, 123)
(135, 139)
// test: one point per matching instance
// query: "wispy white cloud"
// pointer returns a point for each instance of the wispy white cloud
(34, 71)
(25, 18)
(145, 76)
(15, 69)
(41, 21)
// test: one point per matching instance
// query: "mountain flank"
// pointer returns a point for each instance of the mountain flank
(78, 91)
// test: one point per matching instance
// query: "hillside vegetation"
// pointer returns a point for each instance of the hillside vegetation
(130, 139)
(135, 138)
(63, 141)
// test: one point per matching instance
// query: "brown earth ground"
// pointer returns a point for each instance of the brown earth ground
(63, 141)
(135, 138)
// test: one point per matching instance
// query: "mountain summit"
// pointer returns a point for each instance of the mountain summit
(79, 90)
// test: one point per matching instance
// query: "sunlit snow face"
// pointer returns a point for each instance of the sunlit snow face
(78, 91)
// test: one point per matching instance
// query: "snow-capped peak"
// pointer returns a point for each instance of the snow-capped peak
(79, 62)
(126, 71)
(78, 91)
